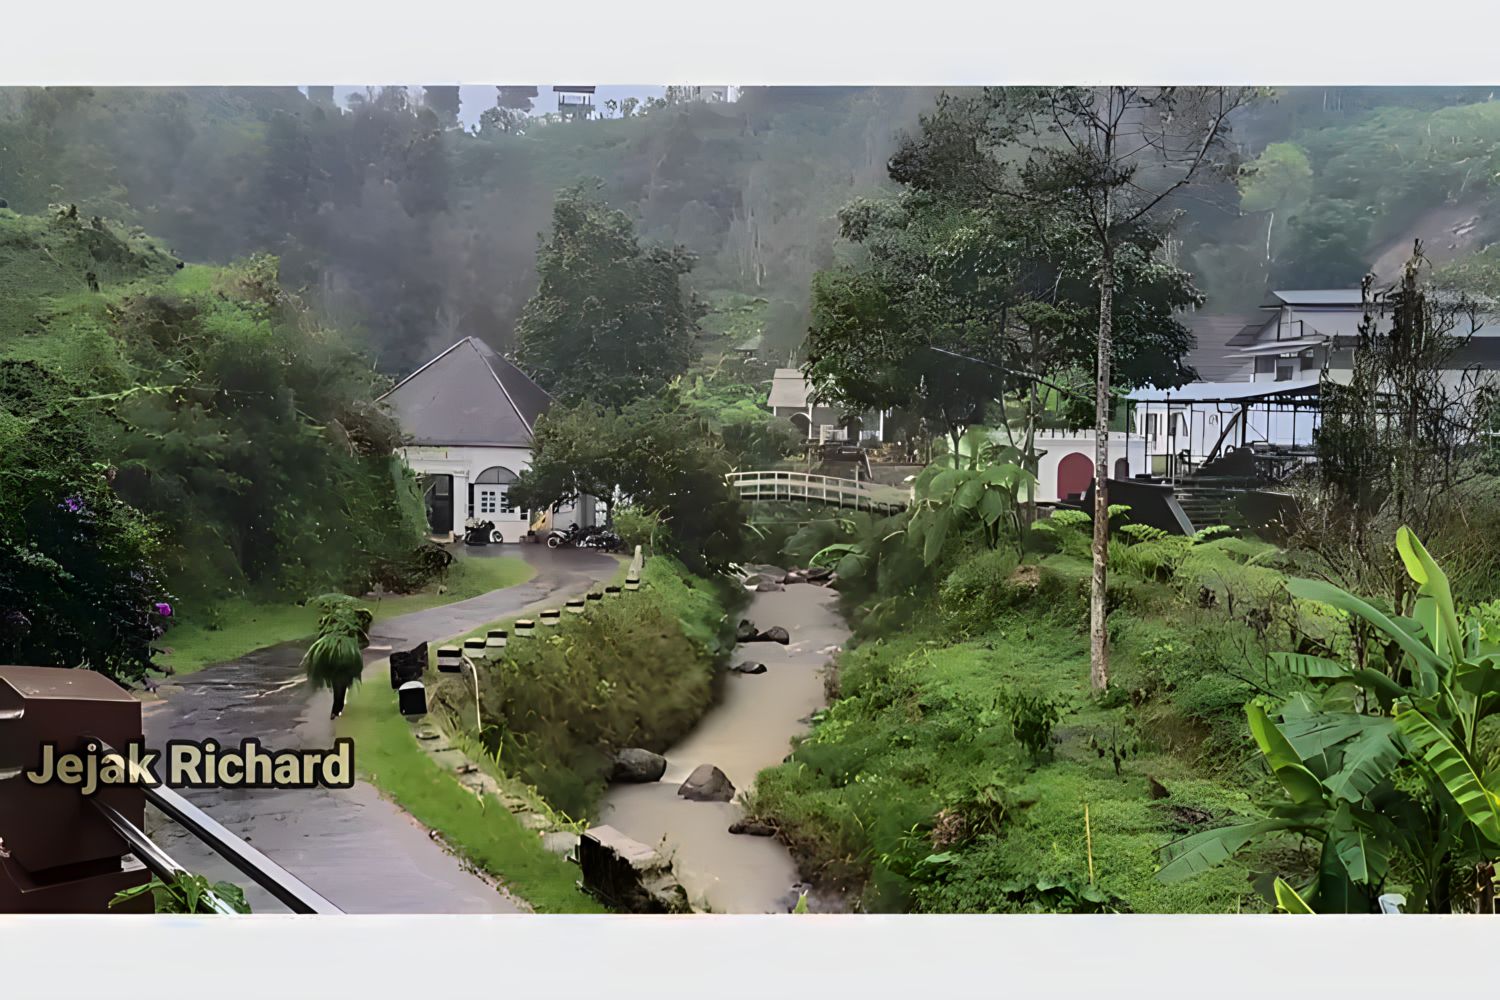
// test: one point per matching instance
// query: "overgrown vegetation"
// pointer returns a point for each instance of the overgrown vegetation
(635, 671)
(189, 432)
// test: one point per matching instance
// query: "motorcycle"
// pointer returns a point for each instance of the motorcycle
(481, 533)
(564, 537)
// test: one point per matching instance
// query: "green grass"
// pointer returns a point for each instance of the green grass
(922, 734)
(245, 625)
(483, 830)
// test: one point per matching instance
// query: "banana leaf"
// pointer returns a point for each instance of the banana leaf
(1288, 899)
(1307, 665)
(1433, 582)
(1301, 784)
(1203, 851)
(1429, 665)
(1438, 751)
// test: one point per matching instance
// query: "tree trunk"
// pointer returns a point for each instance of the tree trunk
(1098, 635)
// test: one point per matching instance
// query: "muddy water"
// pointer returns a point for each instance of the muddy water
(751, 729)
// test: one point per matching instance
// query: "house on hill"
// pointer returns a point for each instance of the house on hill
(792, 398)
(467, 416)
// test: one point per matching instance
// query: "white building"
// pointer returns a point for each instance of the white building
(793, 398)
(1065, 461)
(468, 416)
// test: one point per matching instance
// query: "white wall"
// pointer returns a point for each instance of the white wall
(464, 464)
(1054, 445)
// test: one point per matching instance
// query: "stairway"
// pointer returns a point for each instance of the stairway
(1207, 505)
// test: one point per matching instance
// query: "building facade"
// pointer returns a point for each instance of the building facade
(468, 416)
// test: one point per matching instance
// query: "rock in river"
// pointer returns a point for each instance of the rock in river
(707, 784)
(775, 634)
(636, 765)
(752, 828)
(749, 668)
(745, 632)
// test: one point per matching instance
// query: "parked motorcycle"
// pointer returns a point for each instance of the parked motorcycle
(559, 538)
(481, 533)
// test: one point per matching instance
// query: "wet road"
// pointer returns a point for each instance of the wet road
(359, 850)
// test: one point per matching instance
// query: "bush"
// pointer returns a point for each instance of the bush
(636, 671)
(975, 593)
(637, 526)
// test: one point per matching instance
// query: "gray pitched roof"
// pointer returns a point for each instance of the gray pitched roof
(1210, 356)
(1315, 297)
(470, 395)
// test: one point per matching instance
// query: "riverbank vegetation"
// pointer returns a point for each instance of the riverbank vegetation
(636, 670)
(967, 767)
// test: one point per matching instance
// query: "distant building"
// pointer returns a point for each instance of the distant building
(792, 398)
(575, 101)
(467, 416)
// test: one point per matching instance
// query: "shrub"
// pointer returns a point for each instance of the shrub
(1032, 717)
(636, 671)
(975, 593)
(637, 526)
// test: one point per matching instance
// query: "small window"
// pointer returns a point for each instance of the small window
(1285, 371)
(487, 502)
(1265, 366)
(1310, 361)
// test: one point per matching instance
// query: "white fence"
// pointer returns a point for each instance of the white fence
(773, 484)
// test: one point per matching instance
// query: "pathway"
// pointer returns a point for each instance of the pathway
(358, 849)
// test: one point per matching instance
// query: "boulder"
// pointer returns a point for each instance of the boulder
(749, 668)
(745, 631)
(769, 587)
(766, 570)
(636, 766)
(775, 634)
(752, 828)
(813, 574)
(707, 784)
(795, 576)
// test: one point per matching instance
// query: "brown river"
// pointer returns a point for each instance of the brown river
(749, 730)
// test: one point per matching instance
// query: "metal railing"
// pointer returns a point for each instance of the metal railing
(289, 890)
(775, 484)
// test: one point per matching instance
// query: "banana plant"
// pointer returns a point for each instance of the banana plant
(1386, 770)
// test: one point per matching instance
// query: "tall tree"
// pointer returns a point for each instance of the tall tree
(443, 102)
(1113, 156)
(610, 321)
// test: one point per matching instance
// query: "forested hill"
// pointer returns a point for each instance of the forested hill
(394, 219)
(177, 431)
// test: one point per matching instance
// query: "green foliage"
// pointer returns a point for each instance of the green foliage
(636, 526)
(610, 321)
(1388, 771)
(334, 659)
(647, 454)
(212, 404)
(1032, 717)
(975, 594)
(634, 671)
(186, 893)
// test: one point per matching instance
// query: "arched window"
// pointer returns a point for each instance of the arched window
(1122, 468)
(490, 496)
(1074, 473)
(496, 474)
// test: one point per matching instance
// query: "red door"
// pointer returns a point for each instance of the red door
(1074, 473)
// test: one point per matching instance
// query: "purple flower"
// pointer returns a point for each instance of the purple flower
(164, 609)
(73, 505)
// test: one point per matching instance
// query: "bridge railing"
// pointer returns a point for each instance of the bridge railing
(782, 484)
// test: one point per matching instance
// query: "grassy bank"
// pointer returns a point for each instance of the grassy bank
(236, 627)
(967, 767)
(388, 755)
(637, 670)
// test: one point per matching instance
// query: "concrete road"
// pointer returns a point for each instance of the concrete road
(359, 850)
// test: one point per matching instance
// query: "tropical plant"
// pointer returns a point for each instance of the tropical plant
(1390, 771)
(186, 893)
(334, 660)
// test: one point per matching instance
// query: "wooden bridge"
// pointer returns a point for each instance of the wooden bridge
(805, 487)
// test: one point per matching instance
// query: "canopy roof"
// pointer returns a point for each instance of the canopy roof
(1225, 392)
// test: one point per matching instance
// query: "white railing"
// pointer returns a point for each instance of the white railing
(774, 484)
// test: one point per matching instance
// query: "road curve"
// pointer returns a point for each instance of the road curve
(359, 850)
